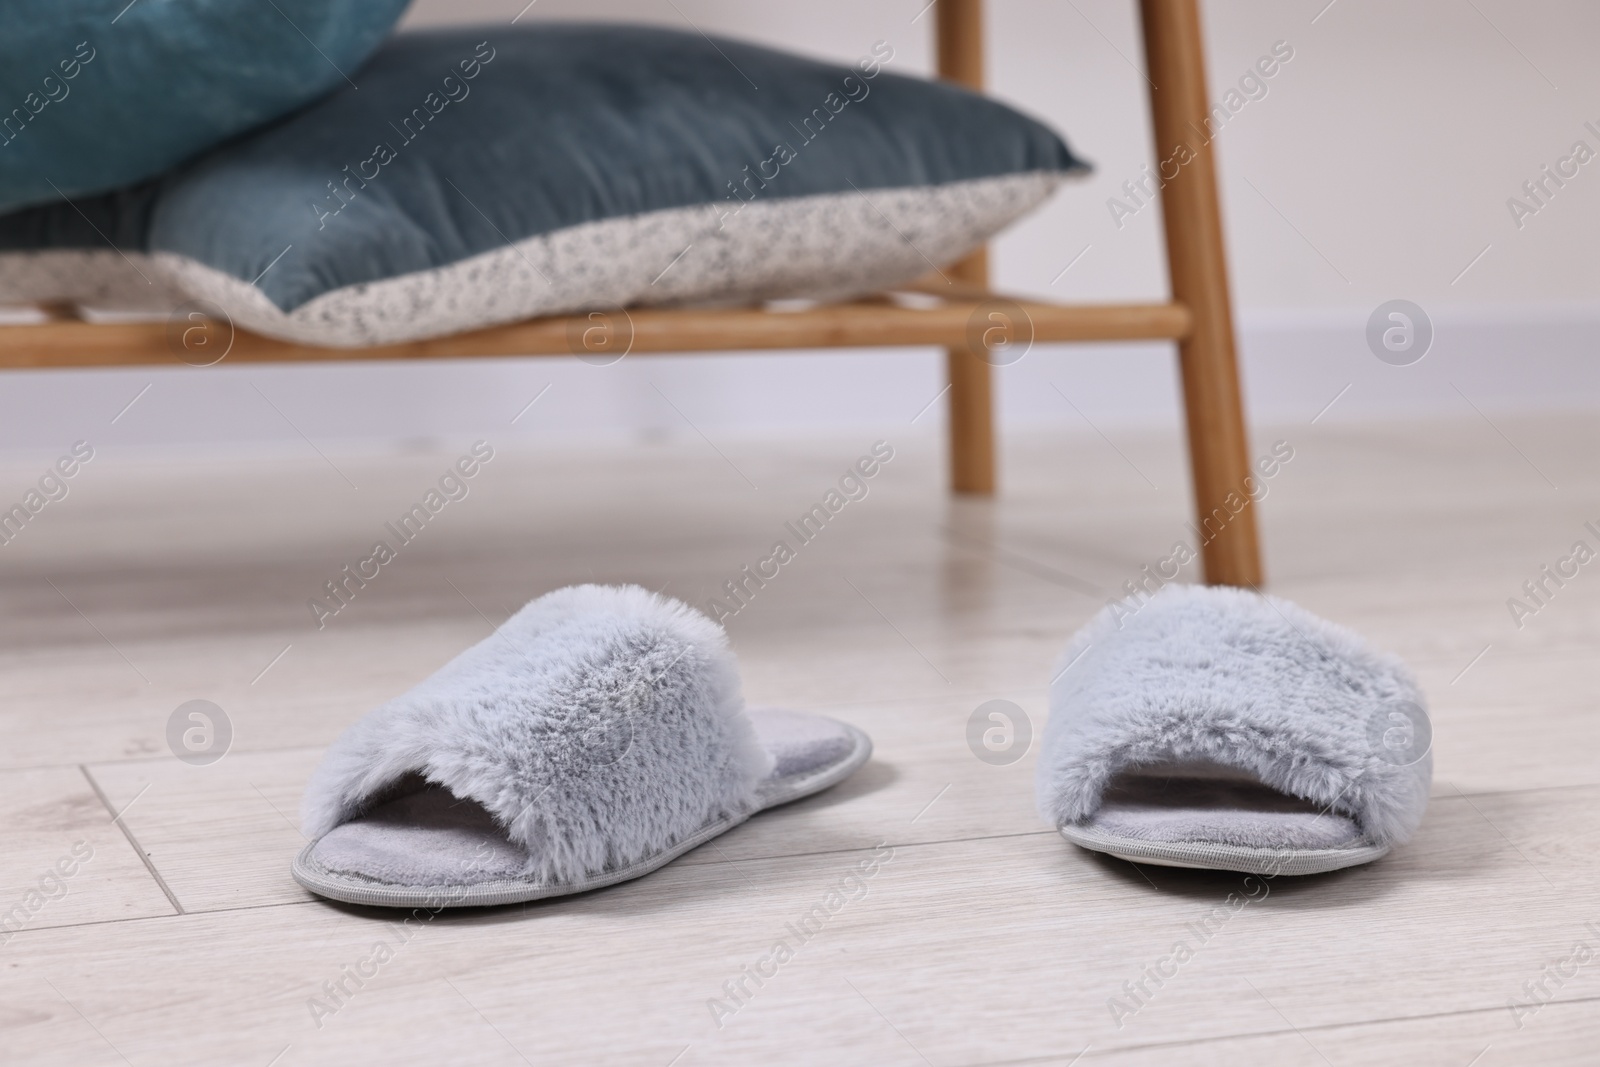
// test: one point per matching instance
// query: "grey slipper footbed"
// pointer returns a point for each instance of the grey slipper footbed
(596, 735)
(1216, 728)
(1199, 816)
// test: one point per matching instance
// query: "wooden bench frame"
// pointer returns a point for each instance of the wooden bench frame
(1198, 317)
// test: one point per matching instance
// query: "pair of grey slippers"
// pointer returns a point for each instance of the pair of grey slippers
(600, 732)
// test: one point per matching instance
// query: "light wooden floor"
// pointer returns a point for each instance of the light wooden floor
(983, 939)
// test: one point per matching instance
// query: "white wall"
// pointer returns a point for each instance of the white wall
(1377, 166)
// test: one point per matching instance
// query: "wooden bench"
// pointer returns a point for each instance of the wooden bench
(1198, 318)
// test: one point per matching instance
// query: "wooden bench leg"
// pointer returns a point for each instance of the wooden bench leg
(958, 34)
(1218, 447)
(972, 458)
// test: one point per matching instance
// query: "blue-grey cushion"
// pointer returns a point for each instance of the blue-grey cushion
(98, 94)
(91, 250)
(486, 175)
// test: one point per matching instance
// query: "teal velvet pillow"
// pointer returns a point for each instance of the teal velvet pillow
(494, 173)
(97, 94)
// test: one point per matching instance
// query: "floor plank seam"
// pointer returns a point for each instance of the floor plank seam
(127, 832)
(868, 848)
(1285, 1032)
(192, 913)
(1006, 557)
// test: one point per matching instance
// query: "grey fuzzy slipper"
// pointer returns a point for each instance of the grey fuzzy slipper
(1217, 728)
(598, 734)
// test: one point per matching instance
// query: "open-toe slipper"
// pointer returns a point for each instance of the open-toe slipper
(1218, 728)
(594, 736)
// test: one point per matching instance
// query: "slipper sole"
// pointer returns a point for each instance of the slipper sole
(1206, 856)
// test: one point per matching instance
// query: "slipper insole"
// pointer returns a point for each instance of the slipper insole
(428, 836)
(1202, 804)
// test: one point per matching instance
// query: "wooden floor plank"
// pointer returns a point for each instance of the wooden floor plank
(221, 835)
(63, 860)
